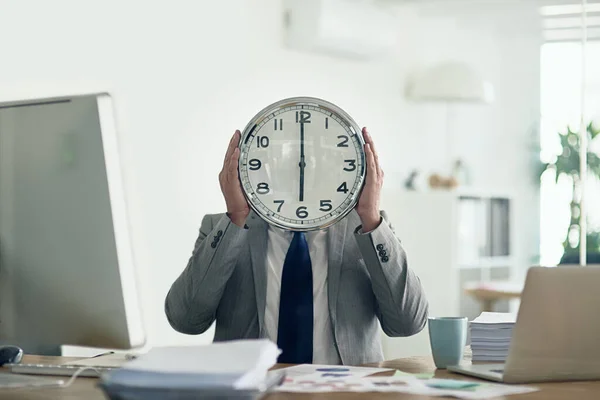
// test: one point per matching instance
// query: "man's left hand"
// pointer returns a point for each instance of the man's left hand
(368, 203)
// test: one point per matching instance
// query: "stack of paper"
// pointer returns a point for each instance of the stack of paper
(218, 367)
(490, 336)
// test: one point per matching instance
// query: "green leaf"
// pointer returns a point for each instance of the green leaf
(593, 131)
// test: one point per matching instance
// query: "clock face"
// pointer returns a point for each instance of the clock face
(302, 164)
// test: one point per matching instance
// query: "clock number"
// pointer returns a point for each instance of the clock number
(301, 212)
(255, 164)
(326, 122)
(325, 205)
(351, 166)
(303, 117)
(342, 188)
(262, 141)
(344, 142)
(280, 124)
(262, 188)
(280, 202)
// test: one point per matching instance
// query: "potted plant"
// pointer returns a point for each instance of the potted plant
(567, 164)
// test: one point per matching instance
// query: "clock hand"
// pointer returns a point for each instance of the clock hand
(302, 164)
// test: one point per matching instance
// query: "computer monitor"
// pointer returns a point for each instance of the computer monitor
(67, 272)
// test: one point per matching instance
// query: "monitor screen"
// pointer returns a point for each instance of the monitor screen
(67, 273)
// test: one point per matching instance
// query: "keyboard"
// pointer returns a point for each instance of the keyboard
(57, 370)
(13, 381)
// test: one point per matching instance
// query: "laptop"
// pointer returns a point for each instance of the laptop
(557, 333)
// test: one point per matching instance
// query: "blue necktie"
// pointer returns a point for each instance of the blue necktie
(295, 332)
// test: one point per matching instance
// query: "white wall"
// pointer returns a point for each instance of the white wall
(187, 73)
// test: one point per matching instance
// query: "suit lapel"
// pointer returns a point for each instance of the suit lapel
(335, 246)
(258, 252)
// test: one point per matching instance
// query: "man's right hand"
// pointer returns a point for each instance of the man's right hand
(237, 206)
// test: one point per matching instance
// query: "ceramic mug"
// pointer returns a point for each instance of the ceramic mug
(448, 338)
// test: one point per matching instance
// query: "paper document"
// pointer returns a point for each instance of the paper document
(490, 335)
(495, 318)
(405, 383)
(239, 364)
(461, 389)
(331, 371)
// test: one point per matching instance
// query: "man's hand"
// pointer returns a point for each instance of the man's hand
(237, 206)
(368, 203)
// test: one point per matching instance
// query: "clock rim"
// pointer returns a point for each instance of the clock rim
(315, 101)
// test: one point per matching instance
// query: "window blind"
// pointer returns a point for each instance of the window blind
(565, 22)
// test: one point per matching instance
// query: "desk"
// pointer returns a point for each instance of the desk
(487, 293)
(85, 388)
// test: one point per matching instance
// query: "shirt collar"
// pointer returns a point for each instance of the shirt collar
(312, 235)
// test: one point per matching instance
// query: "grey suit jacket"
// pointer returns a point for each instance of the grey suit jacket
(369, 283)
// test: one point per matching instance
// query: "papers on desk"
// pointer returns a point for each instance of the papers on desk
(314, 378)
(460, 389)
(490, 336)
(234, 366)
(330, 371)
(421, 384)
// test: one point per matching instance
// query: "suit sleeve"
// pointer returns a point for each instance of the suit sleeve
(192, 301)
(402, 305)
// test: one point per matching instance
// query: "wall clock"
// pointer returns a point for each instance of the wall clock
(302, 163)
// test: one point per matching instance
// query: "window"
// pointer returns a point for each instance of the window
(561, 92)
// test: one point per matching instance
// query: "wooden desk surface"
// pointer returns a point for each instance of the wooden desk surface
(494, 290)
(85, 388)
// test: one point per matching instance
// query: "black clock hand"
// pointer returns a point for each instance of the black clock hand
(302, 163)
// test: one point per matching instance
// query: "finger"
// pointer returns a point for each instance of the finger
(369, 141)
(372, 145)
(372, 172)
(232, 146)
(365, 134)
(233, 164)
(228, 152)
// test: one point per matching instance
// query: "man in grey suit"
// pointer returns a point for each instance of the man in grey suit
(361, 278)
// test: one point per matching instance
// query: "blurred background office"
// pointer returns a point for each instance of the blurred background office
(476, 107)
